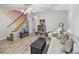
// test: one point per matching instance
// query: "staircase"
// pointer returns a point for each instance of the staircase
(18, 23)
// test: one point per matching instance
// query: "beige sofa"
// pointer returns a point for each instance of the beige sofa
(55, 47)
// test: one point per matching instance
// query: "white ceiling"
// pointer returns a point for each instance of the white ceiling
(37, 7)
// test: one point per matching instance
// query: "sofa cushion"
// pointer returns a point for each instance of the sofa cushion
(63, 39)
(68, 46)
(76, 46)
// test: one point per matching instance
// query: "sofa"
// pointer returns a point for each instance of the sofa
(71, 46)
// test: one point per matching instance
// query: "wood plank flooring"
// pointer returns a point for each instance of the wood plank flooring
(21, 46)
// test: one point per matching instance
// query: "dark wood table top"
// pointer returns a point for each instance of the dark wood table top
(39, 43)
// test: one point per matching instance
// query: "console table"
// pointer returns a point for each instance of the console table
(37, 47)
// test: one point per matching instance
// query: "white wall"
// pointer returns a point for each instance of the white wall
(53, 18)
(74, 20)
(4, 22)
(32, 23)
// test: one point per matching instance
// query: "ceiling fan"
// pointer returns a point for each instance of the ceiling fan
(28, 9)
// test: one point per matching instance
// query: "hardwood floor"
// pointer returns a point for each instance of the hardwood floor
(21, 46)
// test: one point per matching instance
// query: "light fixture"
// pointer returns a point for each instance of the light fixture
(22, 11)
(25, 12)
(30, 8)
(28, 11)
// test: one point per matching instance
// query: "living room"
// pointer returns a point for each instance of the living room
(23, 25)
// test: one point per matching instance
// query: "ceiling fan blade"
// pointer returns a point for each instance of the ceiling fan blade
(33, 10)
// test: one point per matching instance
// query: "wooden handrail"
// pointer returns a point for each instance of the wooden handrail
(19, 26)
(15, 20)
